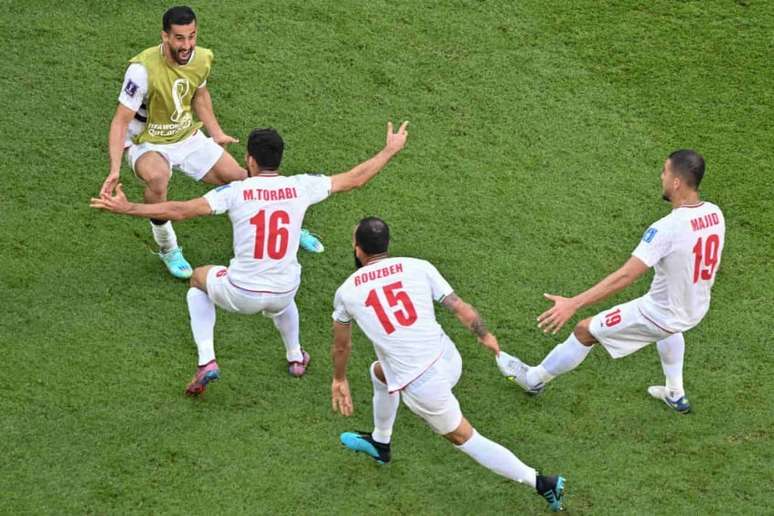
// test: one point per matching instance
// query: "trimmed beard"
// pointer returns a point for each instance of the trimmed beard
(358, 263)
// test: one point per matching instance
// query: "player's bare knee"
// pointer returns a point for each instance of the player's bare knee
(583, 334)
(378, 372)
(156, 187)
(461, 434)
(199, 278)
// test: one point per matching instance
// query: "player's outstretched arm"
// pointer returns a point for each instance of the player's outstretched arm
(202, 105)
(364, 172)
(170, 210)
(552, 320)
(341, 399)
(116, 139)
(470, 318)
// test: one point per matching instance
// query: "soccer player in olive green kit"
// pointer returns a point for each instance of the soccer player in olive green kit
(163, 87)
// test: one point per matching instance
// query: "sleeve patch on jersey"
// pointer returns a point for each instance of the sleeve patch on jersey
(131, 88)
(649, 234)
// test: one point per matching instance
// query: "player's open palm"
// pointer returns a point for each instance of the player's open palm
(117, 203)
(552, 320)
(341, 399)
(396, 141)
(109, 185)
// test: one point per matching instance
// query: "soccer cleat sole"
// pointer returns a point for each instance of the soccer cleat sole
(531, 392)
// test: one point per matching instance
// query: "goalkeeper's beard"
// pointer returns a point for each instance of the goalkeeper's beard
(358, 263)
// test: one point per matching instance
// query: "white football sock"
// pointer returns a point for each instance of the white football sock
(563, 358)
(287, 324)
(499, 459)
(385, 409)
(164, 236)
(672, 351)
(202, 312)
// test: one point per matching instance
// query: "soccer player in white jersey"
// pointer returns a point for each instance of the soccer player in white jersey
(685, 248)
(153, 121)
(391, 299)
(266, 211)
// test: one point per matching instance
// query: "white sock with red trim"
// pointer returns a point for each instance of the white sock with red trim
(287, 325)
(385, 409)
(563, 358)
(499, 459)
(202, 312)
(672, 352)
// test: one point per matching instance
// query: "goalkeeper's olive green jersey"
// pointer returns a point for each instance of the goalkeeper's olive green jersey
(170, 91)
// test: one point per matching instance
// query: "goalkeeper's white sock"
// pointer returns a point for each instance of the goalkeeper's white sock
(385, 409)
(165, 236)
(672, 352)
(287, 325)
(563, 358)
(499, 459)
(202, 312)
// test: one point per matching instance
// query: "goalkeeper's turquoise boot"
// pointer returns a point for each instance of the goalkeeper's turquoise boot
(310, 243)
(364, 443)
(176, 263)
(552, 489)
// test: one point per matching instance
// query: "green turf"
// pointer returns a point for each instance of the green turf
(538, 130)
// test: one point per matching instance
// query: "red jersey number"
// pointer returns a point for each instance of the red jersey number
(276, 245)
(706, 255)
(405, 316)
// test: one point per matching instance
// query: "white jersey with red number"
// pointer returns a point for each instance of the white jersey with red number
(685, 249)
(392, 302)
(266, 213)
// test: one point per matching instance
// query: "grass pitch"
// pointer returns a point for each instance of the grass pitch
(537, 134)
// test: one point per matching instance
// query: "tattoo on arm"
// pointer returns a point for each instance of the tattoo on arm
(478, 327)
(450, 301)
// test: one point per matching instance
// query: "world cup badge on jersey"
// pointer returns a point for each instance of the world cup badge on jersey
(130, 88)
(649, 234)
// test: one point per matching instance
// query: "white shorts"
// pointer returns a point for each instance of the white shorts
(195, 156)
(234, 299)
(430, 396)
(623, 329)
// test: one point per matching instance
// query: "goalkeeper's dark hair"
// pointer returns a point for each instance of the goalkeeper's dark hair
(689, 165)
(178, 15)
(266, 147)
(372, 235)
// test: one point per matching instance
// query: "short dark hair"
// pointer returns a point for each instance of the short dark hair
(689, 165)
(266, 147)
(178, 15)
(372, 235)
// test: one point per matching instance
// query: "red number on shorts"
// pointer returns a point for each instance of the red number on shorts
(405, 316)
(613, 318)
(277, 244)
(707, 255)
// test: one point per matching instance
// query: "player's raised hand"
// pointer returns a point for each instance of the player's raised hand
(552, 320)
(117, 203)
(110, 183)
(396, 141)
(341, 399)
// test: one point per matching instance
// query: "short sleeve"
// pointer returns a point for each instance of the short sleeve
(221, 199)
(315, 188)
(340, 313)
(655, 244)
(438, 284)
(135, 87)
